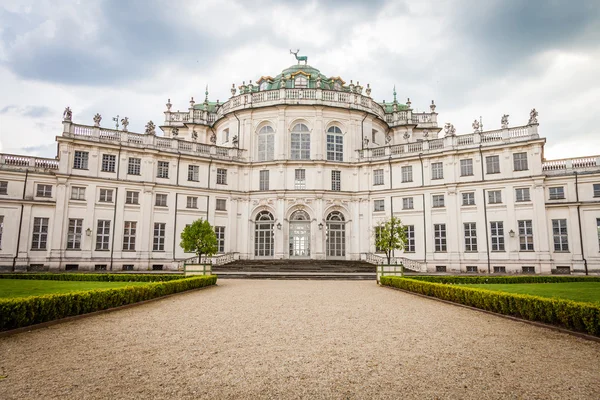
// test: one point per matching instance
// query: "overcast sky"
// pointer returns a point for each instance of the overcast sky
(127, 57)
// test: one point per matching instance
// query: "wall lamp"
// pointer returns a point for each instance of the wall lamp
(88, 232)
(320, 226)
(279, 225)
(511, 233)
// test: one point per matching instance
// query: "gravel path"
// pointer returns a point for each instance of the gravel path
(297, 339)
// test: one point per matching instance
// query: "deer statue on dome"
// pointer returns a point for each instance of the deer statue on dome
(299, 58)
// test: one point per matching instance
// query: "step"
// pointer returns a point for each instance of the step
(295, 275)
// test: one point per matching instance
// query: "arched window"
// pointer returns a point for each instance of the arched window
(336, 235)
(264, 239)
(264, 85)
(335, 144)
(300, 81)
(300, 234)
(266, 143)
(337, 85)
(300, 142)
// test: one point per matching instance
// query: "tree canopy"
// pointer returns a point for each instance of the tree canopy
(200, 238)
(390, 235)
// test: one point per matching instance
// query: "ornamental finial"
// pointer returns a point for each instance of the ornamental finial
(206, 95)
(395, 94)
(169, 105)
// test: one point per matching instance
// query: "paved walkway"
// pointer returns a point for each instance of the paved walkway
(297, 339)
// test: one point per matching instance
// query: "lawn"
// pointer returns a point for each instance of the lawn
(26, 287)
(576, 291)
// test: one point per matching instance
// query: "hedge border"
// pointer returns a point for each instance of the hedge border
(505, 279)
(95, 277)
(19, 312)
(572, 315)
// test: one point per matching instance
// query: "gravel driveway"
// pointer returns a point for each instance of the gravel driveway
(297, 339)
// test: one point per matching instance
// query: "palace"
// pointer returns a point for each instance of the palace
(301, 165)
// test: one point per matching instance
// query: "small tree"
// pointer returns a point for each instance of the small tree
(199, 238)
(390, 235)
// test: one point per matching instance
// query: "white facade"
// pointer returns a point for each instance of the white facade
(484, 201)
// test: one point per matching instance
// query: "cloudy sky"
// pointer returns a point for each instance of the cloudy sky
(126, 57)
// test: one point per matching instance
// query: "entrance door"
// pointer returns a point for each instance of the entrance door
(299, 234)
(336, 235)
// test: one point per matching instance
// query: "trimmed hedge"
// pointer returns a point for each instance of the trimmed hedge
(95, 277)
(506, 279)
(19, 312)
(581, 317)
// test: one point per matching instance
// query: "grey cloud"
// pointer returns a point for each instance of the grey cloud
(27, 111)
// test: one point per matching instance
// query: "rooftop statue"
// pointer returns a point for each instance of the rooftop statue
(97, 119)
(125, 123)
(150, 128)
(475, 126)
(504, 121)
(67, 114)
(533, 117)
(449, 129)
(300, 58)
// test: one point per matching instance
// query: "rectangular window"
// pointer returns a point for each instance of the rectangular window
(40, 234)
(193, 173)
(379, 205)
(440, 268)
(335, 147)
(522, 194)
(410, 239)
(106, 195)
(100, 267)
(468, 199)
(263, 180)
(129, 235)
(80, 161)
(300, 143)
(561, 238)
(407, 203)
(300, 179)
(336, 180)
(407, 175)
(439, 232)
(472, 268)
(159, 236)
(528, 270)
(221, 205)
(77, 193)
(492, 164)
(438, 200)
(3, 187)
(378, 177)
(134, 166)
(109, 162)
(499, 270)
(74, 234)
(494, 197)
(128, 267)
(44, 191)
(556, 193)
(520, 161)
(596, 189)
(437, 170)
(470, 236)
(102, 235)
(497, 231)
(466, 167)
(1, 229)
(525, 235)
(161, 200)
(220, 233)
(162, 170)
(192, 202)
(132, 197)
(221, 176)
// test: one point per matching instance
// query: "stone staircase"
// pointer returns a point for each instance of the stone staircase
(296, 269)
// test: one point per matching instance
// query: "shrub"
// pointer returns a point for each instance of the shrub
(19, 312)
(581, 317)
(506, 279)
(95, 277)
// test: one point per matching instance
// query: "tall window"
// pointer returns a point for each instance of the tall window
(163, 170)
(492, 164)
(193, 173)
(439, 234)
(1, 229)
(559, 232)
(106, 196)
(466, 167)
(468, 199)
(494, 196)
(221, 205)
(497, 230)
(556, 193)
(264, 239)
(74, 234)
(522, 194)
(40, 234)
(336, 180)
(336, 235)
(102, 235)
(437, 170)
(192, 202)
(221, 176)
(132, 197)
(520, 161)
(596, 189)
(335, 144)
(80, 161)
(220, 233)
(525, 235)
(161, 200)
(3, 187)
(407, 175)
(225, 135)
(410, 239)
(266, 143)
(159, 236)
(378, 177)
(44, 191)
(379, 205)
(264, 180)
(77, 193)
(438, 200)
(300, 179)
(470, 236)
(129, 229)
(109, 162)
(134, 166)
(300, 142)
(407, 203)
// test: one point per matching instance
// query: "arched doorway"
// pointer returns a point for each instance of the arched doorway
(336, 235)
(299, 235)
(264, 241)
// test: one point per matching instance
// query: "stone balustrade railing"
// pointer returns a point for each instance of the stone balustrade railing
(97, 134)
(411, 265)
(509, 135)
(568, 165)
(12, 160)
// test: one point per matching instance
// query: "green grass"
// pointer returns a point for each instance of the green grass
(577, 291)
(11, 288)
